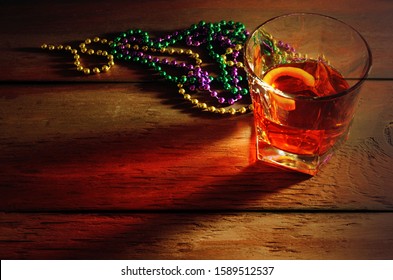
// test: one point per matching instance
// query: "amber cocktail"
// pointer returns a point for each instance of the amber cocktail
(304, 73)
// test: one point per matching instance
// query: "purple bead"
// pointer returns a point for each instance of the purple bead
(165, 60)
(221, 100)
(206, 87)
(231, 101)
(213, 94)
(182, 64)
(192, 87)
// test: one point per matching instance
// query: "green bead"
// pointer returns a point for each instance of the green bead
(119, 56)
(244, 91)
(194, 27)
(158, 68)
(127, 57)
(234, 90)
(130, 31)
(223, 22)
(227, 86)
(202, 23)
(124, 34)
(183, 79)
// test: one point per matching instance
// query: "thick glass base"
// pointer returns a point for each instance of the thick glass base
(309, 164)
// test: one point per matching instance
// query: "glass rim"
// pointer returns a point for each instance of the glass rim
(294, 96)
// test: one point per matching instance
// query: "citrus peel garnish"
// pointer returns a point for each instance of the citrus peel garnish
(294, 72)
(271, 76)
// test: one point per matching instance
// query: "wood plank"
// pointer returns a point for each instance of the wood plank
(138, 146)
(62, 23)
(197, 236)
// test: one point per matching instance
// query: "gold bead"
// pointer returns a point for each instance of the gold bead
(182, 91)
(202, 105)
(105, 68)
(44, 46)
(188, 51)
(239, 64)
(187, 97)
(230, 63)
(145, 48)
(211, 109)
(96, 70)
(90, 51)
(60, 47)
(83, 50)
(171, 51)
(231, 111)
(229, 51)
(99, 52)
(68, 48)
(111, 63)
(88, 41)
(180, 51)
(180, 85)
(96, 39)
(79, 68)
(86, 71)
(238, 47)
(224, 57)
(194, 101)
(198, 61)
(104, 41)
(221, 110)
(163, 50)
(135, 47)
(251, 107)
(74, 51)
(77, 63)
(195, 55)
(77, 56)
(51, 47)
(82, 45)
(110, 57)
(105, 53)
(242, 110)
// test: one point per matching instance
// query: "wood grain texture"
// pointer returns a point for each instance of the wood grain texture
(119, 166)
(123, 146)
(70, 22)
(197, 236)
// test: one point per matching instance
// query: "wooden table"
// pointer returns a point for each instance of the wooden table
(119, 166)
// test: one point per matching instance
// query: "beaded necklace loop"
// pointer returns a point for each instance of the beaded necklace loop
(83, 49)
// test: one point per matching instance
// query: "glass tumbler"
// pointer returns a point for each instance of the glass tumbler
(305, 72)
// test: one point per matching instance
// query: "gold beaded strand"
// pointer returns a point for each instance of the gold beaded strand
(83, 49)
(213, 109)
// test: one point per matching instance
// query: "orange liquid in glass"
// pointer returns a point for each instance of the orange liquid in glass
(303, 126)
